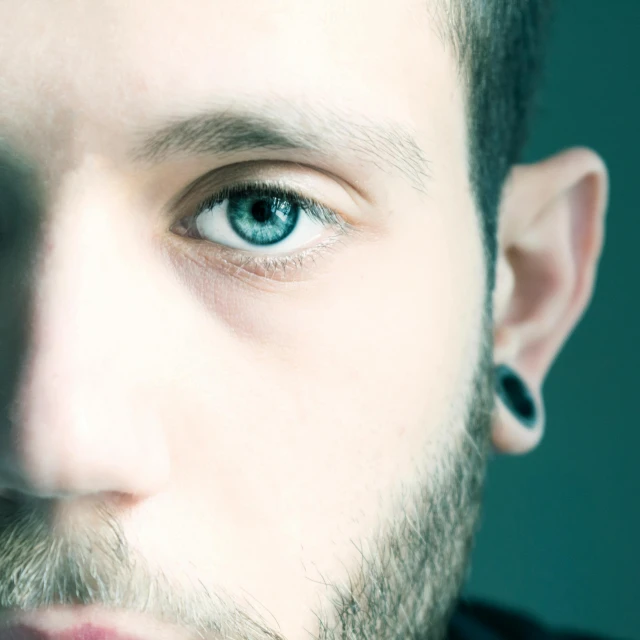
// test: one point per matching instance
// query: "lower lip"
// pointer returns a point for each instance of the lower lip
(83, 632)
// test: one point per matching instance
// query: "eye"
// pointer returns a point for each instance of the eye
(259, 215)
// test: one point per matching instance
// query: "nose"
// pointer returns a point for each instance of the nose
(79, 366)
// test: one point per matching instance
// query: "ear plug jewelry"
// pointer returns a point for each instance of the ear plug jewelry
(515, 394)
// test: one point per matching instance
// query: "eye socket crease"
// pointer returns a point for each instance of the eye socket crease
(391, 147)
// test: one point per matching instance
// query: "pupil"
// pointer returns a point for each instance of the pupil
(260, 211)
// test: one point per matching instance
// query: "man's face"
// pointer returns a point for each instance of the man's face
(194, 425)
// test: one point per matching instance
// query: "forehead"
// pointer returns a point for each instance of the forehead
(112, 65)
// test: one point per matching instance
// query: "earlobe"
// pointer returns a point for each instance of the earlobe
(551, 233)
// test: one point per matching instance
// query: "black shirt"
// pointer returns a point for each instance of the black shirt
(477, 620)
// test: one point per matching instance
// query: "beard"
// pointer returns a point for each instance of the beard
(408, 586)
(405, 585)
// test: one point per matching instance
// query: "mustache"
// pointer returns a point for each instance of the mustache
(52, 558)
(47, 560)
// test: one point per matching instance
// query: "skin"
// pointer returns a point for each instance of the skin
(193, 447)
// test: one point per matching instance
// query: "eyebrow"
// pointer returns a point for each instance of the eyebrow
(390, 146)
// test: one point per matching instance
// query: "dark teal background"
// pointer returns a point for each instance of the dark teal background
(560, 534)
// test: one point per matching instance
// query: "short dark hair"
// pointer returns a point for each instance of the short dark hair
(499, 45)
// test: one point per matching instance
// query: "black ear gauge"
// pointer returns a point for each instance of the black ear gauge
(515, 394)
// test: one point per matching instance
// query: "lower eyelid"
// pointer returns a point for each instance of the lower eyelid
(284, 268)
(297, 256)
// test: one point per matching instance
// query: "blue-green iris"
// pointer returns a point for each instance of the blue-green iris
(262, 220)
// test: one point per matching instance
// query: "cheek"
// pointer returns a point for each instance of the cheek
(289, 437)
(346, 383)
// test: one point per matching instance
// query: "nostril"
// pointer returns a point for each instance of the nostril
(8, 506)
(12, 503)
(8, 496)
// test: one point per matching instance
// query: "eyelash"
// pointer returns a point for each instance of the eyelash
(253, 188)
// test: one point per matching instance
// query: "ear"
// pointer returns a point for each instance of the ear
(550, 237)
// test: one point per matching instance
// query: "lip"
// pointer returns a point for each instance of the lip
(84, 622)
(85, 631)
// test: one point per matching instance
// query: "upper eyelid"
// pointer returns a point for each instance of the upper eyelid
(293, 176)
(272, 189)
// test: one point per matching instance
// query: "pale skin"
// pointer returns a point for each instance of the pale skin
(249, 431)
